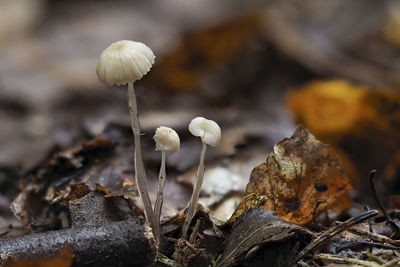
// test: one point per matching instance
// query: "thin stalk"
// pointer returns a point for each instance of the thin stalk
(196, 192)
(140, 173)
(159, 201)
(395, 228)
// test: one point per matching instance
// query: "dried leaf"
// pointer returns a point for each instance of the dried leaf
(300, 178)
(258, 237)
(35, 206)
(251, 201)
(78, 190)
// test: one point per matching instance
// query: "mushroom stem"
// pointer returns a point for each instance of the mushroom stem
(159, 201)
(140, 173)
(196, 192)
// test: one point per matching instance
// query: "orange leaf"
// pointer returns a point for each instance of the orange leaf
(302, 176)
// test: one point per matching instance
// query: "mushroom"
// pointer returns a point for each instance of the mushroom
(210, 134)
(168, 142)
(121, 63)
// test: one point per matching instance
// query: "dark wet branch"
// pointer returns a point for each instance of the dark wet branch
(363, 243)
(395, 228)
(124, 243)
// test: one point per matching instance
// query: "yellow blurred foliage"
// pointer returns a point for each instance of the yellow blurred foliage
(362, 124)
(336, 106)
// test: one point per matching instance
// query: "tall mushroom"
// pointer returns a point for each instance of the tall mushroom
(168, 142)
(121, 63)
(210, 134)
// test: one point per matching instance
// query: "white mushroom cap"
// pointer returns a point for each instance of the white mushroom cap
(124, 61)
(207, 130)
(167, 140)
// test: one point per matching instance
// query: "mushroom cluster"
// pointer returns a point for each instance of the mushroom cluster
(122, 63)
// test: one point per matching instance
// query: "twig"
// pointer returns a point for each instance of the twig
(393, 225)
(392, 262)
(374, 236)
(361, 243)
(369, 225)
(164, 259)
(193, 235)
(331, 232)
(347, 260)
(124, 243)
(374, 258)
(317, 204)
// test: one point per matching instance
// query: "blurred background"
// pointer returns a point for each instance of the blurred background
(256, 67)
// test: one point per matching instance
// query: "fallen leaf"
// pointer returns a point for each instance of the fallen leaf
(35, 206)
(258, 236)
(300, 178)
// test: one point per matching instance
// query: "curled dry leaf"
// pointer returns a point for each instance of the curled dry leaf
(258, 236)
(300, 178)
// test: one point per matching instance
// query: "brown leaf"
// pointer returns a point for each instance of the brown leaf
(102, 189)
(250, 201)
(258, 236)
(78, 190)
(35, 206)
(301, 177)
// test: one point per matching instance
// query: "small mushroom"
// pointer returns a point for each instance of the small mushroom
(168, 142)
(121, 63)
(210, 134)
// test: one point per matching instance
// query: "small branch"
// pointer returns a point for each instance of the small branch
(352, 261)
(369, 226)
(165, 260)
(362, 243)
(392, 262)
(331, 232)
(124, 243)
(314, 213)
(393, 225)
(193, 235)
(374, 236)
